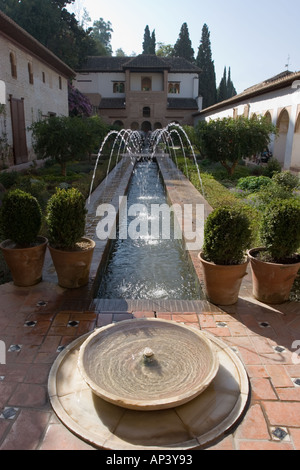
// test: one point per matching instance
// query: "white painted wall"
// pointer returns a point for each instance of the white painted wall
(40, 98)
(187, 84)
(286, 147)
(101, 83)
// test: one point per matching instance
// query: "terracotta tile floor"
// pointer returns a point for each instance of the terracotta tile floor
(36, 322)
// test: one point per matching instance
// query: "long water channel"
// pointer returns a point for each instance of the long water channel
(148, 267)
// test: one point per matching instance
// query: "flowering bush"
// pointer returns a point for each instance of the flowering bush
(79, 105)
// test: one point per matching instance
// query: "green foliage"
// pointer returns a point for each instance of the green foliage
(66, 217)
(9, 178)
(287, 180)
(54, 26)
(227, 235)
(207, 84)
(273, 167)
(229, 140)
(64, 138)
(149, 43)
(20, 217)
(183, 46)
(253, 184)
(226, 88)
(280, 229)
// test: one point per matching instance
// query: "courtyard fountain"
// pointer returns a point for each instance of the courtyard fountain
(148, 384)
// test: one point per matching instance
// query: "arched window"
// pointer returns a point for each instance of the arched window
(146, 111)
(119, 87)
(146, 84)
(13, 64)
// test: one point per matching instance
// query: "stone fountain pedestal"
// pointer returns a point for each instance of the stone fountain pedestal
(196, 423)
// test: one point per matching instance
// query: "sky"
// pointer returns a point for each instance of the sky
(257, 39)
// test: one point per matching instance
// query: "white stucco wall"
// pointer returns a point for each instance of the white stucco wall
(187, 84)
(286, 147)
(40, 98)
(101, 83)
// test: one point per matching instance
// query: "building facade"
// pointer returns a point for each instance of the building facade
(277, 98)
(145, 92)
(33, 84)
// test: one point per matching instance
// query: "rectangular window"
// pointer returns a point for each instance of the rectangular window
(13, 64)
(60, 83)
(30, 73)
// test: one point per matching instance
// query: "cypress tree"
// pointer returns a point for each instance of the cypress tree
(183, 47)
(222, 90)
(231, 91)
(226, 88)
(149, 43)
(207, 84)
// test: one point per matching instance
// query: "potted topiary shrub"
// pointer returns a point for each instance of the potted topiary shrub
(71, 252)
(23, 249)
(275, 265)
(223, 257)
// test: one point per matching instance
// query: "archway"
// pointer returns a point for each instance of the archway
(280, 143)
(146, 126)
(119, 124)
(134, 126)
(296, 146)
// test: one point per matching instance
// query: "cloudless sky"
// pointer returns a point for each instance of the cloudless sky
(254, 38)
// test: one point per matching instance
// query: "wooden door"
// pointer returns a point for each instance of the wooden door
(19, 131)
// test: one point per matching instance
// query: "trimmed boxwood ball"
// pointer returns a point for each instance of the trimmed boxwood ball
(66, 218)
(227, 236)
(20, 217)
(280, 229)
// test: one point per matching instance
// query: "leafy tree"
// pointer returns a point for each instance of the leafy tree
(65, 138)
(101, 33)
(228, 140)
(165, 50)
(60, 138)
(149, 43)
(120, 53)
(183, 46)
(53, 26)
(207, 85)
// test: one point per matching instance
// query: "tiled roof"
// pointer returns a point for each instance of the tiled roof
(13, 31)
(282, 80)
(140, 62)
(182, 103)
(112, 103)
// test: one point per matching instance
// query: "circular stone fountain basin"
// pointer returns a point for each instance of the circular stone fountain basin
(147, 364)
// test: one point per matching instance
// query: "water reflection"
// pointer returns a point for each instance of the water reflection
(148, 267)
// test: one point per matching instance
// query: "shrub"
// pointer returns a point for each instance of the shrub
(253, 184)
(273, 166)
(280, 229)
(20, 217)
(9, 178)
(227, 235)
(287, 180)
(66, 217)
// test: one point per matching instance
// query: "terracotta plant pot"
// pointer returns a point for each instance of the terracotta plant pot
(25, 264)
(223, 283)
(73, 267)
(272, 282)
